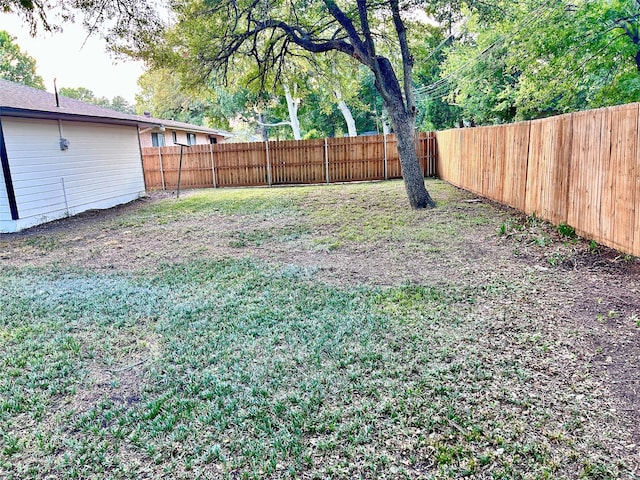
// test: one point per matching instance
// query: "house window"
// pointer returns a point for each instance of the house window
(191, 138)
(213, 140)
(157, 139)
(174, 136)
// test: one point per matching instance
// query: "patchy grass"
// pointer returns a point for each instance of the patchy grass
(356, 214)
(267, 373)
(250, 201)
(248, 366)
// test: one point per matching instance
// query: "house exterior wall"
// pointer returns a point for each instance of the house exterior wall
(100, 169)
(201, 138)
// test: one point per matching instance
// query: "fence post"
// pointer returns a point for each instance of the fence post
(326, 159)
(213, 167)
(384, 141)
(269, 180)
(433, 166)
(161, 168)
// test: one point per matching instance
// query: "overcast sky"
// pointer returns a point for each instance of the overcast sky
(62, 55)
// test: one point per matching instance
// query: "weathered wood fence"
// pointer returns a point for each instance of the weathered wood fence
(282, 162)
(582, 169)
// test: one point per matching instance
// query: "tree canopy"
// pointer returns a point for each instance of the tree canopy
(117, 103)
(544, 58)
(16, 65)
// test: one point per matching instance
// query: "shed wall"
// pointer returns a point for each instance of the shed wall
(100, 169)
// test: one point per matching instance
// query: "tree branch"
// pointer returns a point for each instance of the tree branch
(407, 59)
(359, 48)
(366, 30)
(279, 124)
(303, 39)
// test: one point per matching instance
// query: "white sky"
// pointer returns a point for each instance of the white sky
(62, 55)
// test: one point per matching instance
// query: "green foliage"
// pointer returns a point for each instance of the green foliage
(434, 112)
(17, 66)
(118, 103)
(164, 94)
(566, 230)
(538, 59)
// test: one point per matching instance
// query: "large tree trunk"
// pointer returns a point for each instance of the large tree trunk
(403, 123)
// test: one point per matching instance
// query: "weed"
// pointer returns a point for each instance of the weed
(542, 240)
(555, 259)
(566, 230)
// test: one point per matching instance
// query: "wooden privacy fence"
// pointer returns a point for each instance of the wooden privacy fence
(282, 162)
(582, 169)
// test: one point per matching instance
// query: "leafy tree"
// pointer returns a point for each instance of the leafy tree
(435, 112)
(16, 65)
(79, 93)
(163, 94)
(132, 19)
(118, 103)
(544, 58)
(225, 35)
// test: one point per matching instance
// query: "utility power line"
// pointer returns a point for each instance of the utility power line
(441, 86)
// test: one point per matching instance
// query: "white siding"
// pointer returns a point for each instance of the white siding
(100, 169)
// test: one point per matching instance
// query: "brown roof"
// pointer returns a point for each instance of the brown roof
(20, 100)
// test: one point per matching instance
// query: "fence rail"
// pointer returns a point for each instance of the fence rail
(582, 169)
(282, 162)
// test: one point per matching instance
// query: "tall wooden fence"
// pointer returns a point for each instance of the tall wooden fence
(282, 162)
(582, 169)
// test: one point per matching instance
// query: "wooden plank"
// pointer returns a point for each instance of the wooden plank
(619, 195)
(634, 171)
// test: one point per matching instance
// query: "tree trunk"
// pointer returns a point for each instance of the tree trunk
(346, 113)
(263, 128)
(403, 123)
(384, 116)
(292, 106)
(351, 123)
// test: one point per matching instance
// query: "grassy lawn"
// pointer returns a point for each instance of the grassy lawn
(244, 352)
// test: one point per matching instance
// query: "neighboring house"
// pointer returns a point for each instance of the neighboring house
(60, 159)
(172, 133)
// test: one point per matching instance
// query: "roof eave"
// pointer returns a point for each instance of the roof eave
(45, 115)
